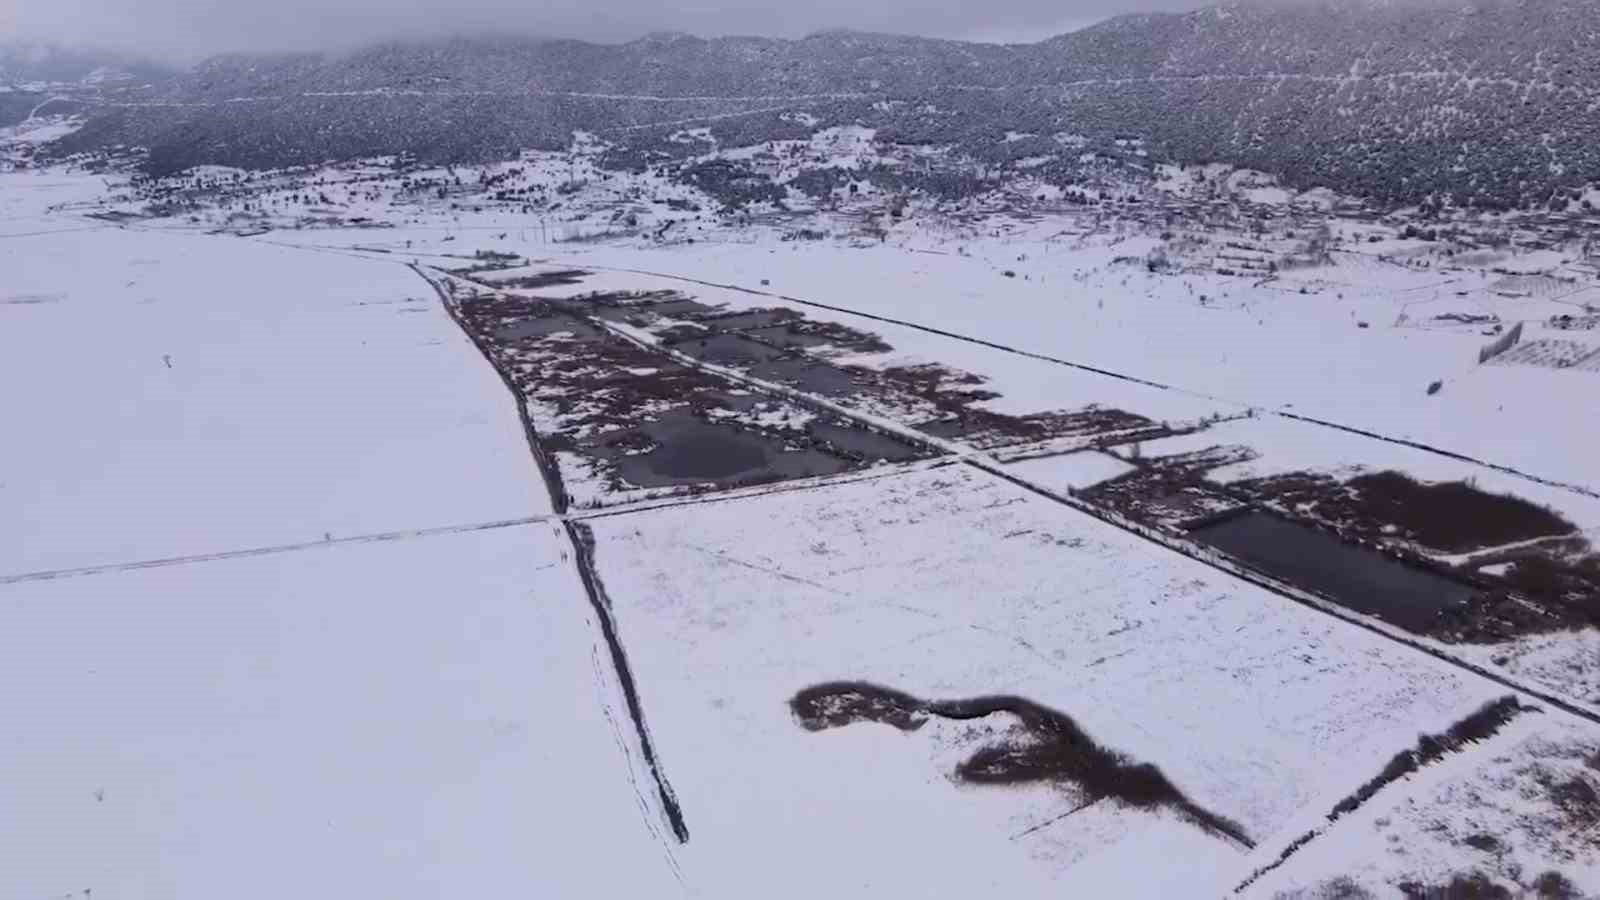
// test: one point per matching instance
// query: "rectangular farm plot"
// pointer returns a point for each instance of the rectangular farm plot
(949, 585)
(617, 420)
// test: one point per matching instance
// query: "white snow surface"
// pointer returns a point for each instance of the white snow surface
(951, 584)
(412, 715)
(183, 394)
(1070, 471)
(418, 718)
(430, 712)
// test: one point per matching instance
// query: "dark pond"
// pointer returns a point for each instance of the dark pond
(868, 444)
(806, 375)
(944, 428)
(693, 451)
(728, 349)
(679, 309)
(1352, 576)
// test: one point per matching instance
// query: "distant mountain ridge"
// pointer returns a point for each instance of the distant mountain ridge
(1493, 103)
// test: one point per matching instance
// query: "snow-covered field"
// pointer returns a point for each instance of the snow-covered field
(416, 718)
(950, 584)
(180, 394)
(380, 701)
(291, 612)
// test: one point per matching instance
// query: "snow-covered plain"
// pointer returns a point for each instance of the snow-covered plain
(950, 584)
(416, 718)
(423, 713)
(433, 712)
(180, 394)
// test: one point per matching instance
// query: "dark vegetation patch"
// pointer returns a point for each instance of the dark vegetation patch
(949, 390)
(1341, 888)
(750, 318)
(680, 308)
(772, 344)
(841, 703)
(1480, 724)
(1550, 584)
(952, 396)
(482, 266)
(1171, 490)
(1564, 583)
(1577, 799)
(787, 336)
(786, 327)
(597, 383)
(1462, 886)
(1052, 748)
(545, 326)
(1451, 517)
(1478, 886)
(1544, 589)
(645, 420)
(810, 333)
(616, 306)
(1454, 516)
(1467, 886)
(543, 279)
(1555, 886)
(1476, 726)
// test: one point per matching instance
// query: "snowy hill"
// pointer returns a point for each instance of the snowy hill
(1490, 104)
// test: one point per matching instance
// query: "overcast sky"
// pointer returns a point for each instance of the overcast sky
(183, 30)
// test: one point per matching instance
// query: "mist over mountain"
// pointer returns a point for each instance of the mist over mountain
(1493, 104)
(26, 62)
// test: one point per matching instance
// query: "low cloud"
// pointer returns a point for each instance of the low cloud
(187, 30)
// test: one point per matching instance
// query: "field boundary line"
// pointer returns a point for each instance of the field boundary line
(581, 540)
(270, 550)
